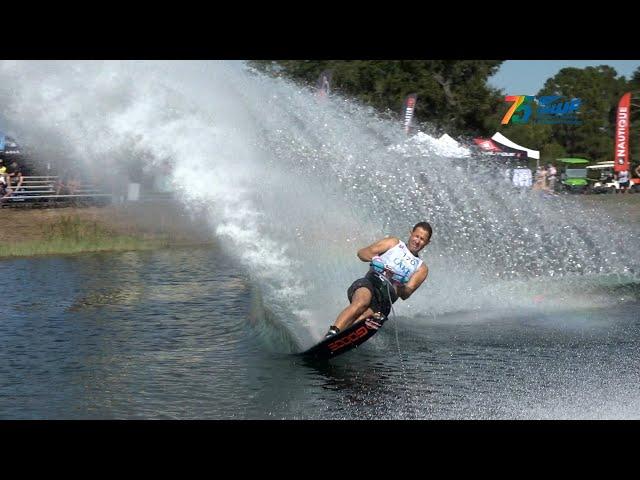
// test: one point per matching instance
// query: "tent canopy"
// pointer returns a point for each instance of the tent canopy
(501, 139)
(500, 145)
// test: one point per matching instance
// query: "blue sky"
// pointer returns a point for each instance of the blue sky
(526, 77)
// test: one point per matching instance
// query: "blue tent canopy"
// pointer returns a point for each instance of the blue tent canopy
(8, 145)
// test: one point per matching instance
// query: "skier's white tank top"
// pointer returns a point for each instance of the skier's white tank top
(401, 260)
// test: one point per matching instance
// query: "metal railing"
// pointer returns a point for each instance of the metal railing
(44, 189)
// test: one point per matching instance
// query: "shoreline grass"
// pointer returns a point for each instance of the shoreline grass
(70, 234)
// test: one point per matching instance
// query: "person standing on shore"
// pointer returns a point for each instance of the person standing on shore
(623, 181)
(552, 176)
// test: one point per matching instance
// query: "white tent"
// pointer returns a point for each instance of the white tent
(498, 137)
(451, 147)
(445, 138)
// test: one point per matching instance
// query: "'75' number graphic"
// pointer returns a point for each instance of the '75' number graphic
(520, 106)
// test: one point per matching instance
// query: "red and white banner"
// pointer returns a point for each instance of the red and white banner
(407, 111)
(621, 151)
(486, 145)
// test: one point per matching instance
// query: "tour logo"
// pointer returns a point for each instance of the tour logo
(551, 109)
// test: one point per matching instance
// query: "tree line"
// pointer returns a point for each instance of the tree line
(454, 96)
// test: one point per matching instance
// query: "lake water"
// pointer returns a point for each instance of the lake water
(168, 335)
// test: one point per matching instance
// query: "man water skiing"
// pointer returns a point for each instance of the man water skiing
(396, 271)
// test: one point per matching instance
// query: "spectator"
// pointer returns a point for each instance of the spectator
(552, 175)
(5, 189)
(3, 172)
(68, 184)
(541, 179)
(15, 176)
(623, 180)
(608, 177)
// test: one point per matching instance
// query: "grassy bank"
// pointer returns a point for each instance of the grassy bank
(71, 234)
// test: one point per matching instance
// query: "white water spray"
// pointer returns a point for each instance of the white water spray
(294, 186)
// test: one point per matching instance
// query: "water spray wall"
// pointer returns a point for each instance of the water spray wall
(293, 185)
